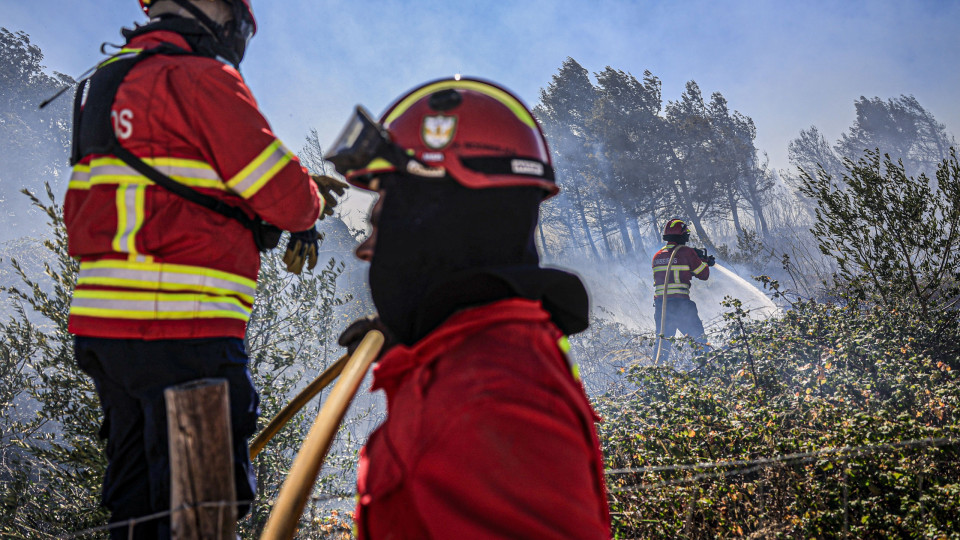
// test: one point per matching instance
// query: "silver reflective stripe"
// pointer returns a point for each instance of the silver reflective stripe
(157, 278)
(169, 170)
(80, 175)
(142, 309)
(263, 171)
(127, 219)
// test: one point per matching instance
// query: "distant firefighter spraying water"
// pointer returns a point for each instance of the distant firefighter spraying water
(673, 266)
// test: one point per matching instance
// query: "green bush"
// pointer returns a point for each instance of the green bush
(821, 377)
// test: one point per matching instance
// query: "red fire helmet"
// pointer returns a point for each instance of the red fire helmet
(675, 227)
(479, 133)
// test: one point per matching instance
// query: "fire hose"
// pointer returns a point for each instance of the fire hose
(663, 307)
(283, 520)
(322, 381)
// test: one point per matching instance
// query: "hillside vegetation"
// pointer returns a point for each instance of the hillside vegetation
(838, 418)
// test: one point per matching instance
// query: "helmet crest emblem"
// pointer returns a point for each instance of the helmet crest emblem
(438, 131)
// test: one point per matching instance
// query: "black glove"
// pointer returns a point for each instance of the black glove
(302, 248)
(702, 253)
(328, 186)
(353, 335)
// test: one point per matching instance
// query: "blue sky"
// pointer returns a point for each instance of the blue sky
(788, 65)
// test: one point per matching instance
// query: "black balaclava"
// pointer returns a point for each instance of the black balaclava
(442, 247)
(223, 42)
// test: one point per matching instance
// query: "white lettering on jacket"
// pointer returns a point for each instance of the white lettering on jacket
(122, 123)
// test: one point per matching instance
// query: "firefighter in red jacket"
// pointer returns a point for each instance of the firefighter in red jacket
(489, 433)
(673, 266)
(177, 182)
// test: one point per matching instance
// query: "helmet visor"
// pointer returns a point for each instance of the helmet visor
(364, 149)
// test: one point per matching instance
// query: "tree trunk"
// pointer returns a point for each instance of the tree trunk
(683, 197)
(543, 240)
(624, 232)
(583, 220)
(638, 244)
(733, 211)
(604, 232)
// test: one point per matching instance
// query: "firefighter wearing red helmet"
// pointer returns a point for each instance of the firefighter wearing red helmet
(489, 433)
(178, 184)
(673, 267)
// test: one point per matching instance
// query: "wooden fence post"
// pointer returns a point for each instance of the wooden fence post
(202, 493)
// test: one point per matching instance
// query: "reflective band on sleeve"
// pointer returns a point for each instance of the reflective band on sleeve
(564, 344)
(155, 306)
(80, 177)
(700, 268)
(165, 277)
(259, 171)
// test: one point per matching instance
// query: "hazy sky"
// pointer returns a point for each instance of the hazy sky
(788, 65)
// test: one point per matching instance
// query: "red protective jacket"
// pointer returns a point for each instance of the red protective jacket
(686, 263)
(152, 264)
(488, 435)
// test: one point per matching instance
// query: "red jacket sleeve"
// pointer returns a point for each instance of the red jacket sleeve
(698, 268)
(253, 163)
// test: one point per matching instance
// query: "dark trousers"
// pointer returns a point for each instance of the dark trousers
(681, 315)
(130, 376)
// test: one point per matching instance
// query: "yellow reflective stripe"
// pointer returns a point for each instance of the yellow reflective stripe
(122, 54)
(509, 101)
(700, 268)
(189, 172)
(258, 172)
(564, 344)
(155, 306)
(121, 220)
(378, 165)
(166, 277)
(681, 287)
(678, 267)
(575, 369)
(681, 284)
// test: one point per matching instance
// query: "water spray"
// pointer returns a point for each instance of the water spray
(748, 286)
